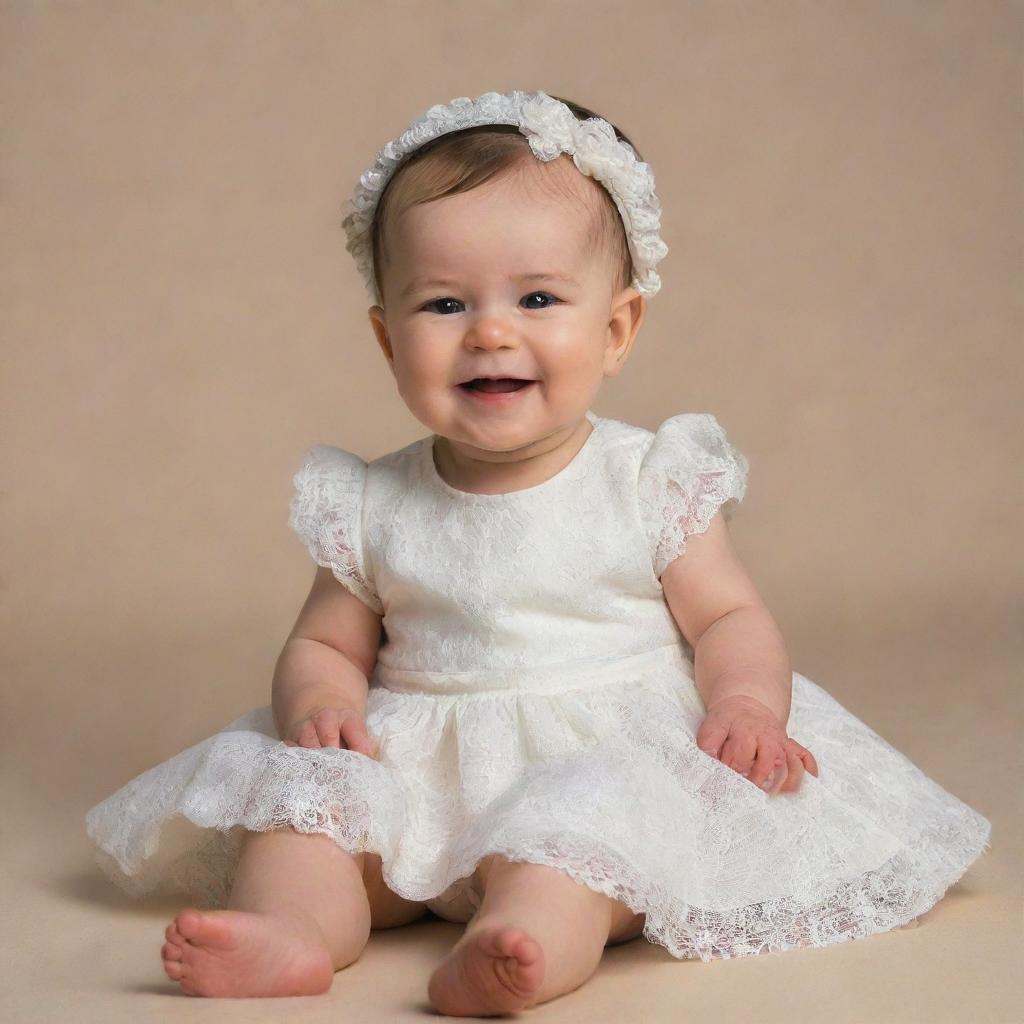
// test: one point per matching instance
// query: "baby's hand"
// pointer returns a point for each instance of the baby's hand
(331, 727)
(746, 736)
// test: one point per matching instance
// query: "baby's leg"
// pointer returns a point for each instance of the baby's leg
(538, 934)
(299, 910)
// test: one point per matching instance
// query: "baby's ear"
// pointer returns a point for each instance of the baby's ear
(380, 331)
(627, 315)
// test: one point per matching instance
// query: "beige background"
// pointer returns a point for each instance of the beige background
(841, 186)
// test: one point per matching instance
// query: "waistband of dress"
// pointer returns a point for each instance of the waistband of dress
(551, 677)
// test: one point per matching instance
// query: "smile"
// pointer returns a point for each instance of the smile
(496, 391)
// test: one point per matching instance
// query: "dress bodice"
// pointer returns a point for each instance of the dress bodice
(566, 571)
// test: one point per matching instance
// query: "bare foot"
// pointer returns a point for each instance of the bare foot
(492, 971)
(235, 953)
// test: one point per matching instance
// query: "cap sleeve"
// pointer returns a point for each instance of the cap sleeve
(326, 511)
(688, 473)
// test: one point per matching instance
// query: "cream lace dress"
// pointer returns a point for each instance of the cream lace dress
(534, 697)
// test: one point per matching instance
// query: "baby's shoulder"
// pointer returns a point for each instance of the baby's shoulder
(681, 431)
(682, 453)
(623, 433)
(624, 442)
(397, 469)
(327, 469)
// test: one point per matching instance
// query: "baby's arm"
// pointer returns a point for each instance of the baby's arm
(741, 665)
(321, 678)
(738, 649)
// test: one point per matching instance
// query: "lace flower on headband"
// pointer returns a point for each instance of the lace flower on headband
(551, 128)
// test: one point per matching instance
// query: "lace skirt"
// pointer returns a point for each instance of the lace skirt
(591, 769)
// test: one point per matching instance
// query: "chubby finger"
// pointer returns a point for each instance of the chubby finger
(807, 758)
(710, 738)
(328, 730)
(765, 756)
(738, 752)
(803, 756)
(307, 736)
(793, 773)
(353, 731)
(770, 763)
(778, 779)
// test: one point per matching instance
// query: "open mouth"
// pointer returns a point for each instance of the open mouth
(500, 386)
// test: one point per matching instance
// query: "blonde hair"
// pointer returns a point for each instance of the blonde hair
(463, 160)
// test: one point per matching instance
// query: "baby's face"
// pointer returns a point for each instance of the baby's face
(465, 299)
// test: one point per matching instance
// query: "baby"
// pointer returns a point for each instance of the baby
(532, 688)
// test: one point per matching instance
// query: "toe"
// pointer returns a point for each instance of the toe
(174, 969)
(499, 941)
(513, 942)
(171, 951)
(188, 924)
(206, 929)
(524, 948)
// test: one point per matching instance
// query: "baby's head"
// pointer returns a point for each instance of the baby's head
(487, 261)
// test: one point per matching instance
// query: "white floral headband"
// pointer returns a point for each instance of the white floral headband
(551, 128)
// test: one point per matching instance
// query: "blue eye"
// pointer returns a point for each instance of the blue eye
(549, 295)
(434, 302)
(437, 302)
